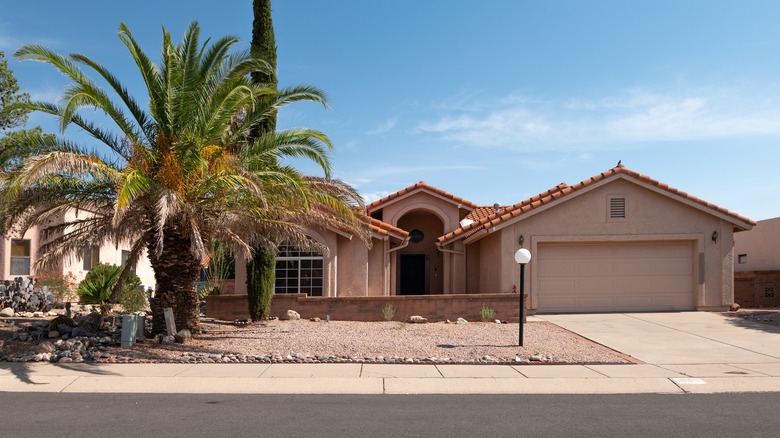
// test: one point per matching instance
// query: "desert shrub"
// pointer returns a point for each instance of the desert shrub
(132, 299)
(388, 311)
(487, 314)
(99, 282)
(63, 286)
(62, 319)
(97, 285)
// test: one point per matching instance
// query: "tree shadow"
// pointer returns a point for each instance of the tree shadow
(753, 320)
(24, 370)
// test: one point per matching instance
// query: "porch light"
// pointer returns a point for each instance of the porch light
(522, 256)
(715, 236)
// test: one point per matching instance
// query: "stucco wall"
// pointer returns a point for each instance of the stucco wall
(109, 253)
(378, 269)
(33, 236)
(584, 217)
(760, 246)
(352, 268)
(345, 265)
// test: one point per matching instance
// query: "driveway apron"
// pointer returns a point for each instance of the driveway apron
(678, 337)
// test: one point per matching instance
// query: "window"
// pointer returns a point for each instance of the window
(20, 257)
(416, 236)
(617, 207)
(125, 257)
(298, 272)
(742, 259)
(91, 257)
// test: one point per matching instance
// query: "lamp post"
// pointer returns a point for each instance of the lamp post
(522, 256)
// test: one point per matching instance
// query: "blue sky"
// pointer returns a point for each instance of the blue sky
(493, 101)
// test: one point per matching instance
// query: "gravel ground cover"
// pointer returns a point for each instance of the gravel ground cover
(769, 316)
(306, 341)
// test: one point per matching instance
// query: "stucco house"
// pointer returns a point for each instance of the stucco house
(18, 254)
(757, 265)
(758, 249)
(618, 241)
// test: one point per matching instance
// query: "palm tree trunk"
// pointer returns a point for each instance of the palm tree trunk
(175, 271)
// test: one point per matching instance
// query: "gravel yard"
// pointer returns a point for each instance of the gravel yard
(341, 341)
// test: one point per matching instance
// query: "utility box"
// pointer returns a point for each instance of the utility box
(129, 330)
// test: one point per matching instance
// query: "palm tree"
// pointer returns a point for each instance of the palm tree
(177, 174)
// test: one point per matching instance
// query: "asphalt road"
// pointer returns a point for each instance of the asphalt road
(108, 415)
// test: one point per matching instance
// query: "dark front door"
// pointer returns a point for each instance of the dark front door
(413, 274)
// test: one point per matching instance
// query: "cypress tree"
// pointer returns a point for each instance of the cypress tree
(261, 272)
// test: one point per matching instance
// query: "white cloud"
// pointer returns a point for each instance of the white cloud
(375, 196)
(383, 127)
(515, 122)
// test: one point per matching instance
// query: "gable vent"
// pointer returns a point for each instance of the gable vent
(617, 208)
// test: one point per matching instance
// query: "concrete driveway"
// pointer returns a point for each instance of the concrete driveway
(685, 339)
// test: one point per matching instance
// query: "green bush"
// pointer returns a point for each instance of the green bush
(388, 311)
(132, 299)
(99, 282)
(97, 285)
(487, 314)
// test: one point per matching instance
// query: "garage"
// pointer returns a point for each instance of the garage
(615, 276)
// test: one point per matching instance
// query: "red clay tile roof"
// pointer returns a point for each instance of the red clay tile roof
(561, 190)
(384, 229)
(422, 185)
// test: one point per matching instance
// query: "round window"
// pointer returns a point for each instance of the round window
(416, 236)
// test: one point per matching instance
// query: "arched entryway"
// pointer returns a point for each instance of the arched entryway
(420, 264)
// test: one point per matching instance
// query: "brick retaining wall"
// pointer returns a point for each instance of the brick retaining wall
(434, 307)
(757, 288)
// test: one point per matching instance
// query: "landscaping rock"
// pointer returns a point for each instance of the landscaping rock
(417, 319)
(54, 334)
(461, 321)
(64, 329)
(7, 312)
(90, 322)
(291, 315)
(46, 347)
(183, 337)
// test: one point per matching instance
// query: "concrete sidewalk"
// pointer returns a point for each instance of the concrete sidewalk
(688, 352)
(380, 379)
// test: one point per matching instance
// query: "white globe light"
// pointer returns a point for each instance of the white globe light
(522, 256)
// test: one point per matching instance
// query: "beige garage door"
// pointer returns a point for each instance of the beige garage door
(608, 277)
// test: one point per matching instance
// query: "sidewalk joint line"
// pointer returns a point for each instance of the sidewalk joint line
(69, 384)
(671, 379)
(700, 336)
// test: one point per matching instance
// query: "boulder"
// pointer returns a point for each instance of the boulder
(90, 322)
(734, 307)
(291, 315)
(461, 321)
(7, 312)
(46, 347)
(184, 336)
(417, 319)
